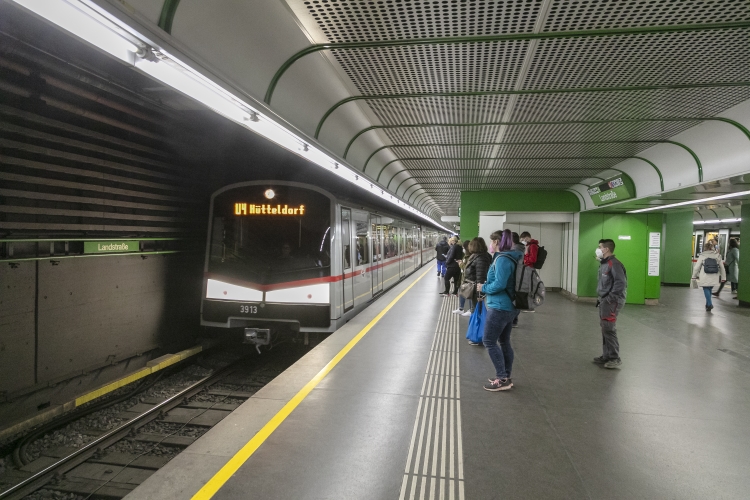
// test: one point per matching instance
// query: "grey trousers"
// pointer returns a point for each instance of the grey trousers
(608, 312)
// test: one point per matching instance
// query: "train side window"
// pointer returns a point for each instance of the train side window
(346, 236)
(362, 243)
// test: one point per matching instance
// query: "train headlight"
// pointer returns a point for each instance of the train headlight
(269, 194)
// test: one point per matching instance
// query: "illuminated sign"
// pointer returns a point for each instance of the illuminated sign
(610, 191)
(252, 209)
(110, 246)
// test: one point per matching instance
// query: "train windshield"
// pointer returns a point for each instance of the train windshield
(271, 234)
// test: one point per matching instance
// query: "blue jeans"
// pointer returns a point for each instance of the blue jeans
(707, 293)
(462, 300)
(497, 327)
(441, 267)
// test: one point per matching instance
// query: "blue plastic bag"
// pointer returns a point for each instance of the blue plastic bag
(476, 323)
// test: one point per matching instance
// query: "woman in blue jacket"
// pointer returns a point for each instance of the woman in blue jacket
(501, 280)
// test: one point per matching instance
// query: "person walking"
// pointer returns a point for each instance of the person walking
(441, 249)
(498, 290)
(732, 267)
(476, 270)
(452, 269)
(709, 271)
(612, 289)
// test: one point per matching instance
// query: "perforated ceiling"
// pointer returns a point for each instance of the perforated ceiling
(464, 142)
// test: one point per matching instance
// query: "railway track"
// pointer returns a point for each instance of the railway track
(148, 434)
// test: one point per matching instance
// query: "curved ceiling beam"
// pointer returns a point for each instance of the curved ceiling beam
(410, 178)
(414, 193)
(581, 202)
(420, 195)
(407, 190)
(380, 97)
(388, 187)
(493, 38)
(661, 179)
(168, 10)
(692, 153)
(742, 128)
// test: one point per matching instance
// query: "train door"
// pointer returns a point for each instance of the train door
(362, 258)
(417, 247)
(401, 252)
(377, 254)
(346, 261)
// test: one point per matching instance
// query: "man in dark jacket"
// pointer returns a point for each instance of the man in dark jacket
(611, 290)
(441, 250)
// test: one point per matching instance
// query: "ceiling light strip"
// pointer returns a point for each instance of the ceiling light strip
(89, 22)
(691, 202)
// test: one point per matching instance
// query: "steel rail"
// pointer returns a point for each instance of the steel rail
(644, 30)
(65, 464)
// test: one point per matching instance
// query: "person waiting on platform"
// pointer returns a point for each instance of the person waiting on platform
(517, 247)
(441, 250)
(501, 280)
(732, 267)
(532, 249)
(612, 289)
(452, 269)
(476, 270)
(709, 271)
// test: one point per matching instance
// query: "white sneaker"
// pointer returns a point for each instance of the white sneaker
(457, 311)
(466, 313)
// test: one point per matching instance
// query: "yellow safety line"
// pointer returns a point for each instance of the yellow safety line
(223, 475)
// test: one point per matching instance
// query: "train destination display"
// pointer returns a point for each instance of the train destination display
(264, 209)
(610, 191)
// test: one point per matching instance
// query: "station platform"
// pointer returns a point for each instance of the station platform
(391, 406)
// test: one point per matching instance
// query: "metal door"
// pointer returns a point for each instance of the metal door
(376, 234)
(346, 260)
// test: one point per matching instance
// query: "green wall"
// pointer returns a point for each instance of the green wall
(472, 202)
(678, 240)
(744, 282)
(633, 253)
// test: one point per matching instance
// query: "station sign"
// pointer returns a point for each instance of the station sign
(110, 246)
(266, 209)
(610, 191)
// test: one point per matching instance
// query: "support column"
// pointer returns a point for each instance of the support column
(744, 282)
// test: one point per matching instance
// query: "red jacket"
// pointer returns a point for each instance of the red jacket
(529, 259)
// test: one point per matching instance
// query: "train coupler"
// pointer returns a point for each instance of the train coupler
(257, 337)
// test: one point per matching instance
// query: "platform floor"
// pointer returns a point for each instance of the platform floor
(404, 415)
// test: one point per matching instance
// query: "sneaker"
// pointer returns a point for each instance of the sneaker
(601, 360)
(613, 363)
(715, 294)
(457, 311)
(498, 385)
(708, 308)
(475, 343)
(528, 311)
(515, 324)
(466, 313)
(443, 294)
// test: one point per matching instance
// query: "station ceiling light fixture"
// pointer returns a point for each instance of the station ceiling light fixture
(86, 20)
(691, 202)
(716, 221)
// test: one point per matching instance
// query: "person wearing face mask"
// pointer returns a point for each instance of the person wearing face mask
(612, 290)
(532, 249)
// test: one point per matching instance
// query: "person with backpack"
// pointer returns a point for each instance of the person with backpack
(532, 249)
(709, 271)
(612, 290)
(441, 250)
(499, 292)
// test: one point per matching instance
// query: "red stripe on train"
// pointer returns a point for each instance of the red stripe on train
(311, 281)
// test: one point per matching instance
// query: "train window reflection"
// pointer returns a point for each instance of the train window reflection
(363, 243)
(270, 245)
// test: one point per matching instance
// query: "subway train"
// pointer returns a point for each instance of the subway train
(285, 257)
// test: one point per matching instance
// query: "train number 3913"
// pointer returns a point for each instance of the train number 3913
(249, 309)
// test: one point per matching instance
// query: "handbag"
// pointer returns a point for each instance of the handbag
(694, 283)
(467, 289)
(476, 324)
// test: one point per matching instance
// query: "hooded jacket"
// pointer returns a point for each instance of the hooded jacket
(531, 250)
(699, 269)
(441, 249)
(495, 288)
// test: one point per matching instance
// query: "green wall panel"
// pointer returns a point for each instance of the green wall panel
(633, 252)
(678, 240)
(472, 202)
(744, 281)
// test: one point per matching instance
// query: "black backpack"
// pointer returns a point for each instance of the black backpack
(541, 256)
(710, 266)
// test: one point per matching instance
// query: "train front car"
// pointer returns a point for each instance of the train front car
(268, 262)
